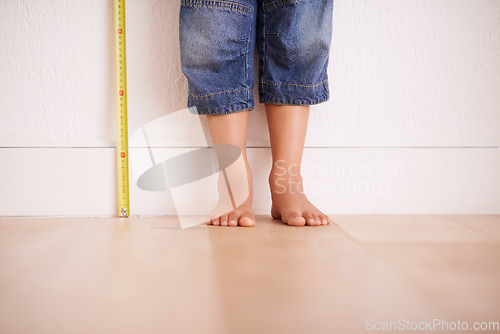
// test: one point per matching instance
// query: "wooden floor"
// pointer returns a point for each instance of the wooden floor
(146, 275)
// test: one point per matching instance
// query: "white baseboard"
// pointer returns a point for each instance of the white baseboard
(81, 181)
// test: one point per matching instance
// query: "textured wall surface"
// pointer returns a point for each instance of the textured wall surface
(419, 74)
(403, 73)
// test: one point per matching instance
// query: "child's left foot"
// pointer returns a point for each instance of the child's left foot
(290, 204)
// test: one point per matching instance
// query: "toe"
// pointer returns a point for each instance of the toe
(295, 220)
(223, 220)
(247, 220)
(309, 219)
(324, 219)
(232, 219)
(216, 221)
(317, 219)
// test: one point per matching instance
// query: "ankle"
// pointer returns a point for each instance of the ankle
(289, 172)
(285, 183)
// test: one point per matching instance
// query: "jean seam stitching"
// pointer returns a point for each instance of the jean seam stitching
(227, 91)
(222, 4)
(274, 4)
(264, 58)
(224, 112)
(288, 84)
(246, 63)
(281, 102)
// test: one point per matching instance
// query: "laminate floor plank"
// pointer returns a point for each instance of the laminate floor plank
(147, 275)
(407, 228)
(23, 241)
(452, 260)
(489, 224)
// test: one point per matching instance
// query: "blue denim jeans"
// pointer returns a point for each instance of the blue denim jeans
(217, 42)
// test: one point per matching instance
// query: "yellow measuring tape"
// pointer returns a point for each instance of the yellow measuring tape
(121, 110)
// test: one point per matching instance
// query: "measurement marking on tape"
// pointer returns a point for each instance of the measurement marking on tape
(121, 112)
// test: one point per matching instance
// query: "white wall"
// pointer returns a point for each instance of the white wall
(402, 74)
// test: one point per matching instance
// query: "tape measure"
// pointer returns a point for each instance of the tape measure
(121, 109)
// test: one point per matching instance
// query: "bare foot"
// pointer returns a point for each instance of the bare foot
(243, 214)
(290, 204)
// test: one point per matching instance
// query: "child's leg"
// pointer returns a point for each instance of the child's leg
(287, 131)
(294, 40)
(232, 129)
(217, 40)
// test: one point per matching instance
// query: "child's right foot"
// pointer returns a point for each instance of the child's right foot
(243, 214)
(231, 129)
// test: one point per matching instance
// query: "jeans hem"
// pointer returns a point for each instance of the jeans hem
(293, 103)
(293, 94)
(220, 111)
